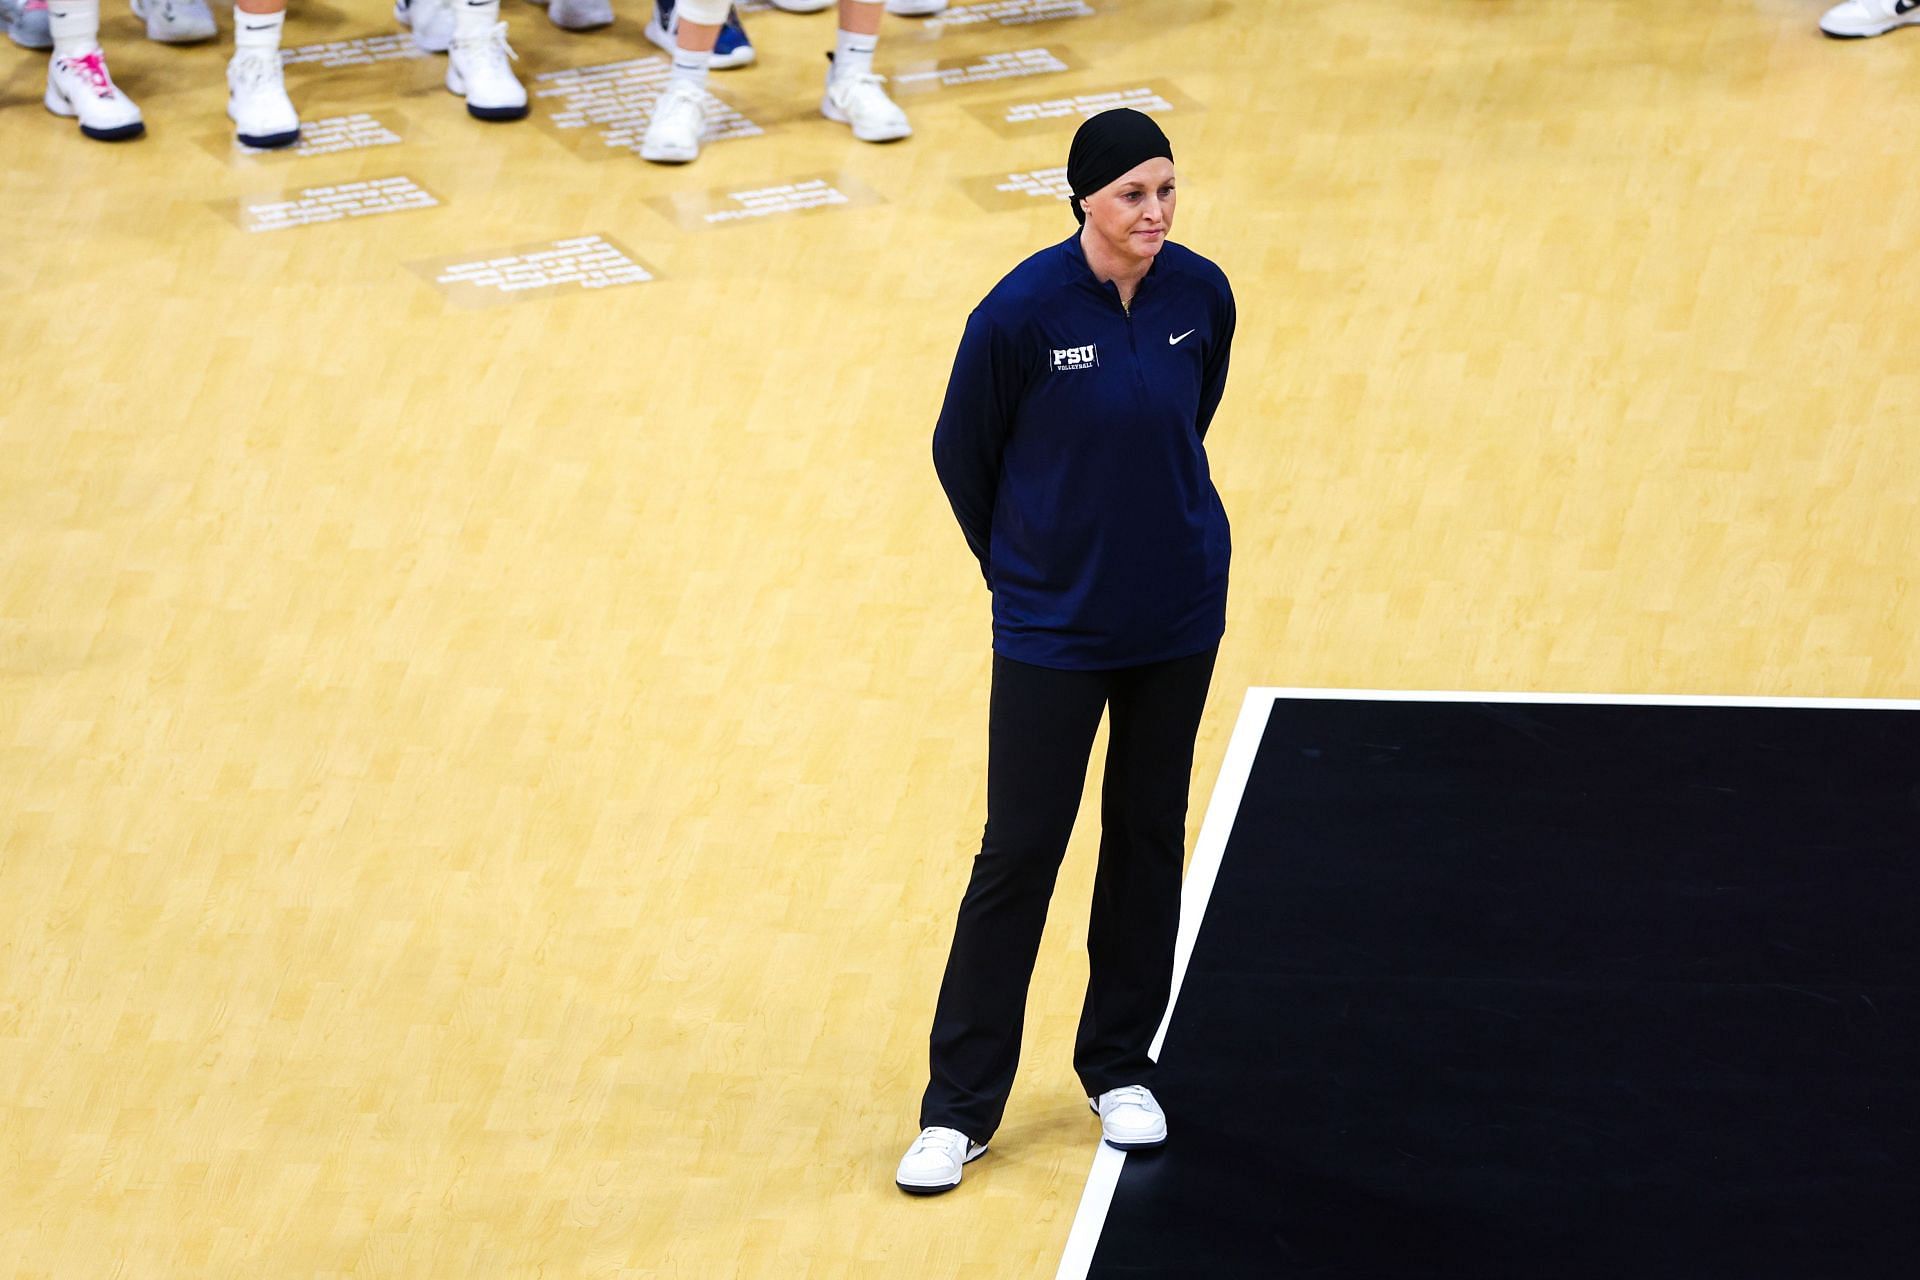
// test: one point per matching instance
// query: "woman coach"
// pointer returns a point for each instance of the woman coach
(1071, 448)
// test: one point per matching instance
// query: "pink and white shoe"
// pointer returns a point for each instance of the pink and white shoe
(78, 85)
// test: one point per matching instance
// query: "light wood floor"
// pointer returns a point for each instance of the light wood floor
(484, 791)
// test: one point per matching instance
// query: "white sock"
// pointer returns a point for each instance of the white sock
(473, 18)
(853, 53)
(257, 30)
(75, 25)
(690, 68)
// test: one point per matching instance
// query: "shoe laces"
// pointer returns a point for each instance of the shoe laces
(253, 68)
(492, 41)
(92, 66)
(935, 1136)
(864, 87)
(1127, 1095)
(681, 97)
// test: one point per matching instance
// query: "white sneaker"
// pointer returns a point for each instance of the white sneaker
(1857, 19)
(79, 86)
(1130, 1119)
(257, 101)
(176, 21)
(916, 8)
(477, 70)
(808, 6)
(431, 22)
(679, 123)
(932, 1164)
(862, 101)
(28, 26)
(580, 15)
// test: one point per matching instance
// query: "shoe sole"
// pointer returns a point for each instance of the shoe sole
(118, 133)
(914, 1190)
(838, 116)
(187, 37)
(498, 115)
(1868, 35)
(668, 157)
(1154, 1145)
(268, 141)
(591, 25)
(925, 1189)
(457, 84)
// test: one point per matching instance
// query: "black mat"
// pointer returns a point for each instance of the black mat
(1524, 990)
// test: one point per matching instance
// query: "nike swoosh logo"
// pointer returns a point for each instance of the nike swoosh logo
(1174, 342)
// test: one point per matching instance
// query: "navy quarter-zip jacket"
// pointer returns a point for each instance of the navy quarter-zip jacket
(1071, 445)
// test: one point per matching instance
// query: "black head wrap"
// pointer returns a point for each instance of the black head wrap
(1108, 145)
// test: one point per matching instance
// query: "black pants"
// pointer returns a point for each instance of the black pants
(1039, 735)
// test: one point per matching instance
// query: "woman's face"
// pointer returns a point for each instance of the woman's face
(1133, 214)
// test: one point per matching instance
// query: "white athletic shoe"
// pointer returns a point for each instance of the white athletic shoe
(28, 26)
(933, 1163)
(1130, 1119)
(257, 101)
(1858, 19)
(79, 86)
(862, 101)
(679, 123)
(807, 6)
(916, 8)
(431, 22)
(477, 70)
(176, 21)
(580, 15)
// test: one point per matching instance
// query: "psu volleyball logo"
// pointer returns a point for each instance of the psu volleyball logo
(1067, 359)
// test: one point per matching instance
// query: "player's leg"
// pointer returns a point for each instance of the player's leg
(479, 63)
(731, 48)
(257, 101)
(679, 122)
(1041, 725)
(1154, 716)
(77, 81)
(855, 96)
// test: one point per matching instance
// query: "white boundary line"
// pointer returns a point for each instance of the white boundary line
(1201, 873)
(1614, 699)
(1224, 807)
